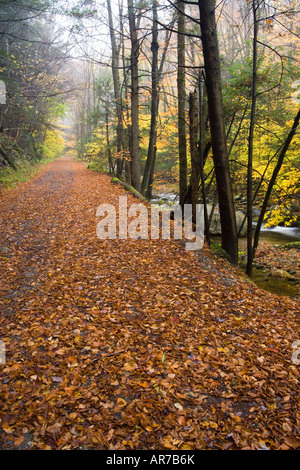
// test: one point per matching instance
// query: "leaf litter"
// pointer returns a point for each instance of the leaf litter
(133, 344)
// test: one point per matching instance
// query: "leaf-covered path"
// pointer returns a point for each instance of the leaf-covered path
(114, 344)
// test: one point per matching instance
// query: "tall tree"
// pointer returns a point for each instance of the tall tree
(194, 127)
(251, 140)
(151, 156)
(156, 74)
(135, 144)
(181, 102)
(116, 81)
(217, 127)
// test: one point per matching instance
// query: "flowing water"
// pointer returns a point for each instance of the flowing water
(275, 236)
(272, 236)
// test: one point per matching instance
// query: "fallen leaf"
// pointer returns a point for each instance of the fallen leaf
(178, 406)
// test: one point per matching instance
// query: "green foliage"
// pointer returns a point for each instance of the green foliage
(26, 164)
(96, 166)
(53, 145)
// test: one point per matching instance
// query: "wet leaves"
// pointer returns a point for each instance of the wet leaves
(133, 344)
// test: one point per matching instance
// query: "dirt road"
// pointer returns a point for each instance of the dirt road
(132, 344)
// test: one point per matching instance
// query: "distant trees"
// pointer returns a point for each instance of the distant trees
(206, 116)
(31, 60)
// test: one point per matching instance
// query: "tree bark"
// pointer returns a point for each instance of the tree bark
(110, 163)
(193, 116)
(201, 159)
(117, 93)
(135, 146)
(181, 103)
(126, 94)
(217, 127)
(250, 143)
(151, 156)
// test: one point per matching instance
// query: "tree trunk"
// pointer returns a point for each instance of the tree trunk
(151, 156)
(217, 127)
(126, 94)
(156, 78)
(193, 115)
(110, 164)
(135, 146)
(273, 180)
(201, 159)
(250, 144)
(181, 103)
(117, 93)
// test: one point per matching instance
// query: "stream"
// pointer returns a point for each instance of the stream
(272, 236)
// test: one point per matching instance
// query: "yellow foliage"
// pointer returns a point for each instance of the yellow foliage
(53, 145)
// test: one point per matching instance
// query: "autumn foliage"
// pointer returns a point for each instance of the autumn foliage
(132, 344)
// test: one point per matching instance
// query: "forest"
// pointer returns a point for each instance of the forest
(173, 103)
(140, 99)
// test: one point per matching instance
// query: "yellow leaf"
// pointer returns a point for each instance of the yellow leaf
(144, 384)
(19, 441)
(186, 447)
(122, 402)
(178, 406)
(7, 429)
(213, 425)
(167, 442)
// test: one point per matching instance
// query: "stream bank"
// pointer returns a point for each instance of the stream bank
(276, 266)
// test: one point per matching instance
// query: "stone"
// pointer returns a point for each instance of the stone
(280, 274)
(215, 226)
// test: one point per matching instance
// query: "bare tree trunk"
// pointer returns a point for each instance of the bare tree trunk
(250, 143)
(193, 115)
(156, 78)
(181, 103)
(201, 159)
(217, 127)
(135, 147)
(110, 164)
(273, 180)
(126, 87)
(116, 82)
(151, 156)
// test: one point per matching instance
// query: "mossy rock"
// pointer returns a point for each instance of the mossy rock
(292, 245)
(128, 188)
(217, 249)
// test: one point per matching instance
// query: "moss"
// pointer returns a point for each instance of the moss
(96, 166)
(292, 245)
(217, 249)
(10, 178)
(128, 188)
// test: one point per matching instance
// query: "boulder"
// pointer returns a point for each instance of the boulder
(279, 274)
(215, 226)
